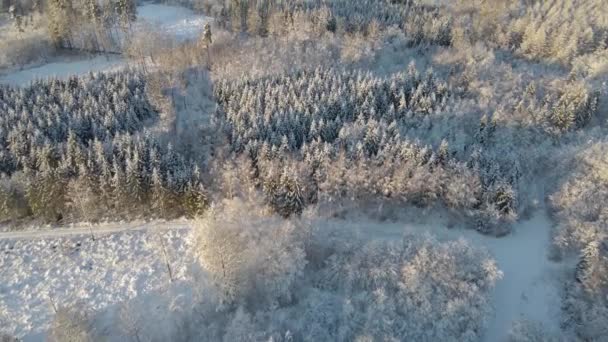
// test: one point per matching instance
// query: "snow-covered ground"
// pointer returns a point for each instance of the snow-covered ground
(179, 22)
(64, 69)
(39, 273)
(127, 261)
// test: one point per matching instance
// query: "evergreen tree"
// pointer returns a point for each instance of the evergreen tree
(159, 195)
(194, 199)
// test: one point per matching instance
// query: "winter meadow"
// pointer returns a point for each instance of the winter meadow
(304, 170)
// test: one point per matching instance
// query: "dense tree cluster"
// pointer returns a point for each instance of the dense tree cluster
(270, 278)
(71, 148)
(340, 135)
(89, 24)
(44, 114)
(572, 33)
(421, 23)
(583, 229)
(293, 285)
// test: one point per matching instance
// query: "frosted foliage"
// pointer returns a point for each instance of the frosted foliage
(580, 200)
(579, 206)
(399, 290)
(70, 324)
(531, 331)
(251, 257)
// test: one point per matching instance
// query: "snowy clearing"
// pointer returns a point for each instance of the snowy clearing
(126, 261)
(64, 69)
(38, 274)
(178, 22)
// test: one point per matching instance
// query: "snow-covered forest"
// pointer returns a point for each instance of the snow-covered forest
(327, 170)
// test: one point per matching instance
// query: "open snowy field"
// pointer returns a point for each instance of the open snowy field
(37, 274)
(178, 22)
(65, 69)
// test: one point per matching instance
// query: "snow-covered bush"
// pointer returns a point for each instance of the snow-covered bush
(532, 331)
(585, 313)
(254, 259)
(413, 289)
(416, 289)
(7, 338)
(579, 202)
(71, 324)
(21, 51)
(26, 44)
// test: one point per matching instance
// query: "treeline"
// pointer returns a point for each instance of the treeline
(89, 24)
(337, 135)
(583, 231)
(570, 33)
(423, 24)
(75, 150)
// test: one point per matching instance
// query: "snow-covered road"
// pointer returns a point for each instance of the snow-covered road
(95, 229)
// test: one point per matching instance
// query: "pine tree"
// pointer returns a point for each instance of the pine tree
(158, 195)
(593, 265)
(134, 181)
(443, 154)
(81, 196)
(194, 199)
(120, 196)
(206, 40)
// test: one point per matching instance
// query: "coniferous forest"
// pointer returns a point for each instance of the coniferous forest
(327, 170)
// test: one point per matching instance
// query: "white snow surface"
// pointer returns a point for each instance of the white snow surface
(64, 69)
(178, 22)
(39, 273)
(126, 261)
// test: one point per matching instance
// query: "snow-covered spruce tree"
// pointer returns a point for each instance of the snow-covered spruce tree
(72, 141)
